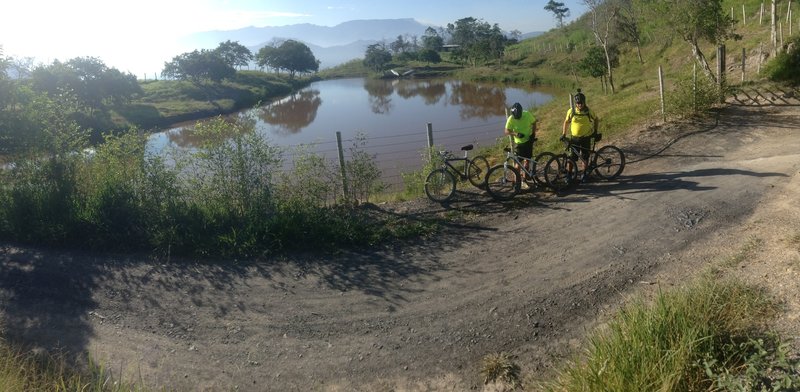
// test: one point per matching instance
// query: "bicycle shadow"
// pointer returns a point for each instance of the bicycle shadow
(626, 186)
(478, 201)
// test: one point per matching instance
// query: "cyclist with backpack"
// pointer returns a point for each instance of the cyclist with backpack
(582, 125)
(521, 124)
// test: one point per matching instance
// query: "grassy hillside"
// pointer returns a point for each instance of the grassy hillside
(551, 59)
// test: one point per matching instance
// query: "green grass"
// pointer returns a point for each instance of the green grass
(708, 335)
(22, 371)
(166, 102)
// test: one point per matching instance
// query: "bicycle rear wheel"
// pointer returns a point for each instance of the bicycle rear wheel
(609, 161)
(560, 172)
(477, 170)
(503, 182)
(440, 185)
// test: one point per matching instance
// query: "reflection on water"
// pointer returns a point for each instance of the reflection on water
(292, 113)
(380, 93)
(392, 114)
(478, 101)
(431, 91)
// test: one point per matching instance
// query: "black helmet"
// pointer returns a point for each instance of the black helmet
(580, 98)
(516, 110)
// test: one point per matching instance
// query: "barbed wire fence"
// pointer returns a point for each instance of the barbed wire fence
(399, 154)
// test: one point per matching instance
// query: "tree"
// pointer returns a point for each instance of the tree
(118, 87)
(432, 39)
(628, 25)
(4, 64)
(400, 45)
(234, 54)
(376, 57)
(559, 11)
(430, 56)
(594, 63)
(694, 21)
(477, 40)
(773, 31)
(21, 67)
(88, 79)
(604, 14)
(291, 55)
(198, 65)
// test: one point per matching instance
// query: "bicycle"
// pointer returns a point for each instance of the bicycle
(440, 185)
(561, 171)
(504, 181)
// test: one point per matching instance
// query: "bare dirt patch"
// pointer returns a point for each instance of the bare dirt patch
(528, 277)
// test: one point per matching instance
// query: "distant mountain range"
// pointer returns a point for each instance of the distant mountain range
(330, 45)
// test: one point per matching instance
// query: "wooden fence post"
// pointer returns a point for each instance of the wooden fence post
(743, 63)
(760, 58)
(341, 165)
(721, 72)
(661, 89)
(694, 87)
(744, 16)
(761, 14)
(430, 141)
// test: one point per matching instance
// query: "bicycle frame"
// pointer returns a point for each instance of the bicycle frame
(588, 163)
(528, 169)
(612, 162)
(447, 162)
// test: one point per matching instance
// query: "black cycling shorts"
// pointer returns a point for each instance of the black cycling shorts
(584, 144)
(524, 150)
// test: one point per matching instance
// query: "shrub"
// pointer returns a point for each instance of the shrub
(690, 97)
(783, 68)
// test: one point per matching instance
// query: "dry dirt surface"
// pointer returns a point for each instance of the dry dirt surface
(529, 277)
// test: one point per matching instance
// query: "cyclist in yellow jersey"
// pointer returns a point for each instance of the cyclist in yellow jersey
(522, 125)
(582, 125)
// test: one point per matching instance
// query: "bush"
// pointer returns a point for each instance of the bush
(223, 198)
(783, 68)
(690, 97)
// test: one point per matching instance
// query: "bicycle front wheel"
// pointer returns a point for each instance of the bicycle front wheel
(560, 172)
(503, 182)
(477, 170)
(539, 163)
(609, 161)
(440, 185)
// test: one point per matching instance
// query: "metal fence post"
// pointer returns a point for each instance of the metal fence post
(341, 165)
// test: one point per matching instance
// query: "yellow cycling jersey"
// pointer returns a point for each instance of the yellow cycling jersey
(581, 122)
(523, 126)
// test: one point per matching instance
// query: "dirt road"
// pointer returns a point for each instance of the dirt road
(530, 277)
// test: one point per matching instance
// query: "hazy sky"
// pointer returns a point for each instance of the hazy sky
(139, 36)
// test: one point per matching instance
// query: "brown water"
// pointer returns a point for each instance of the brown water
(391, 114)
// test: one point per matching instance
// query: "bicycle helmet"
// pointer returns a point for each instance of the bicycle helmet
(580, 98)
(516, 110)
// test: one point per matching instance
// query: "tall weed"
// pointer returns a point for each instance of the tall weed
(667, 345)
(363, 173)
